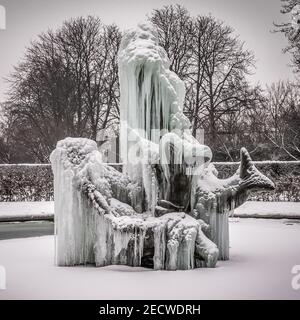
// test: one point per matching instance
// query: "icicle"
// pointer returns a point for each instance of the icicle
(172, 247)
(222, 237)
(120, 240)
(159, 246)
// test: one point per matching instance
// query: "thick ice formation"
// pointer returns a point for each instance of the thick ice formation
(92, 226)
(151, 95)
(151, 107)
(167, 209)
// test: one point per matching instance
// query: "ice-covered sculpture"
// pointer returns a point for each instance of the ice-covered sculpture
(167, 209)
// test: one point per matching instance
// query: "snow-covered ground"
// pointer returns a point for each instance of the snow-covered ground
(18, 211)
(263, 253)
(260, 209)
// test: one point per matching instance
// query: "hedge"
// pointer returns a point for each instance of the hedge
(23, 182)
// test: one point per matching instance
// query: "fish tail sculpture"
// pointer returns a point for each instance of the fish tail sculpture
(216, 198)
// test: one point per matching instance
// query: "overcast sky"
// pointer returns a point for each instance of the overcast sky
(251, 19)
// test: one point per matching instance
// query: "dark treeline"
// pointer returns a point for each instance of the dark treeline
(67, 85)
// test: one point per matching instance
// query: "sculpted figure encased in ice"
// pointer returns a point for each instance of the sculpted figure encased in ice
(167, 209)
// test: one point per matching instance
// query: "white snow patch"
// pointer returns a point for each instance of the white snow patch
(262, 209)
(26, 210)
(263, 253)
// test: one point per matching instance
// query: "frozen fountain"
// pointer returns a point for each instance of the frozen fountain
(167, 209)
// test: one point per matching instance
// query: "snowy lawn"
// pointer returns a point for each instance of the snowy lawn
(259, 209)
(263, 253)
(19, 211)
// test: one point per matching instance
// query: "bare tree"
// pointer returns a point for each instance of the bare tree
(174, 29)
(66, 85)
(281, 119)
(213, 63)
(291, 30)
